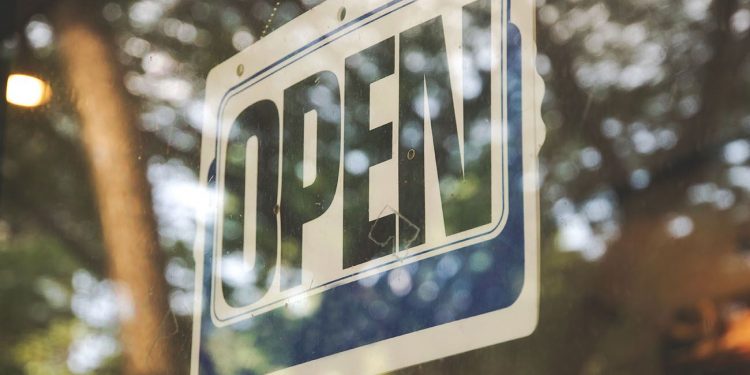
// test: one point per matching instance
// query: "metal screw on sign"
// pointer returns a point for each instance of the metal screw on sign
(411, 154)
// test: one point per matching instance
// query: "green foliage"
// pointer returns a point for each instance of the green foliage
(35, 287)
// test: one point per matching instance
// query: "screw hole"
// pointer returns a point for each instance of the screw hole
(411, 154)
(240, 69)
(342, 13)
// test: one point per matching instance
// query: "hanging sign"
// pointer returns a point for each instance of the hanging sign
(372, 166)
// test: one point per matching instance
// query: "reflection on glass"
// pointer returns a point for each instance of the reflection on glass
(644, 189)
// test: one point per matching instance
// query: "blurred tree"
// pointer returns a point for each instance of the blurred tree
(109, 138)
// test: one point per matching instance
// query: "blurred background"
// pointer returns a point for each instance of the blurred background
(644, 188)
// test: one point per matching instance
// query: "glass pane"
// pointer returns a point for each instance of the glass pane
(644, 180)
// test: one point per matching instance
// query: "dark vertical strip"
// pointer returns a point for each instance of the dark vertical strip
(299, 204)
(466, 190)
(465, 185)
(7, 26)
(206, 362)
(365, 240)
(4, 72)
(418, 48)
(260, 120)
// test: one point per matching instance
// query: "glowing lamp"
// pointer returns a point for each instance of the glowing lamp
(27, 91)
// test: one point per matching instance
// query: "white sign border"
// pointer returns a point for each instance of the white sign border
(443, 340)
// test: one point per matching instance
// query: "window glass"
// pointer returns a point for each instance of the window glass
(644, 186)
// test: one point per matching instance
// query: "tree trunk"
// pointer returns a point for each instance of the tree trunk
(109, 135)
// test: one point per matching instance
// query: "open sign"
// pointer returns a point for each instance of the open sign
(340, 152)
